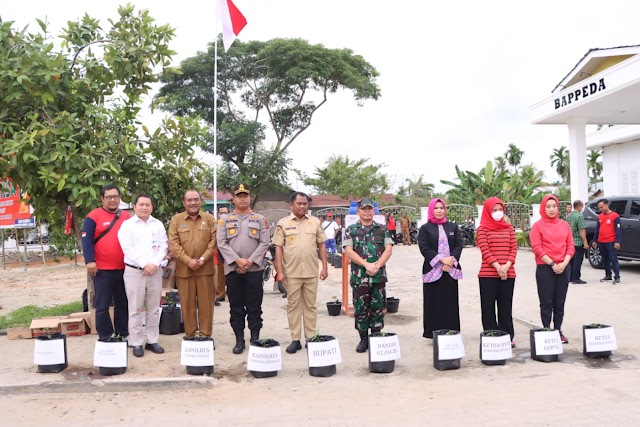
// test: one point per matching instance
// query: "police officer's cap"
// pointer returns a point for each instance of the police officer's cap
(241, 188)
(365, 202)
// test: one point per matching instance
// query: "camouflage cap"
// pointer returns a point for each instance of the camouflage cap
(365, 202)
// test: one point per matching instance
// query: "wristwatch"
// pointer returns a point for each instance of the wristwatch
(551, 264)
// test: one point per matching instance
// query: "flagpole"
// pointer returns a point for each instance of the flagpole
(215, 116)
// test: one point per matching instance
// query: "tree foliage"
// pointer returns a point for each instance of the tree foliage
(513, 156)
(69, 115)
(415, 192)
(349, 178)
(560, 161)
(266, 91)
(474, 188)
(594, 163)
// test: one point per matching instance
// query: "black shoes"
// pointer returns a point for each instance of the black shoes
(294, 346)
(363, 345)
(239, 347)
(217, 303)
(138, 351)
(578, 282)
(616, 281)
(154, 348)
(605, 278)
(219, 299)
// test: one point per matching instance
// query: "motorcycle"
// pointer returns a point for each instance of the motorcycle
(413, 234)
(468, 231)
(269, 270)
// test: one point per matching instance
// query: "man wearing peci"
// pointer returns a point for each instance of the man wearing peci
(192, 239)
(144, 243)
(105, 262)
(298, 239)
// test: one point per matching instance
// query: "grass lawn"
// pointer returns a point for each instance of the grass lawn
(24, 315)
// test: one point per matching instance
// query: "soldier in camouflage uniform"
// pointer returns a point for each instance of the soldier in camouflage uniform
(368, 245)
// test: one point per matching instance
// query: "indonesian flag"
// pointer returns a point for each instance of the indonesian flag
(233, 21)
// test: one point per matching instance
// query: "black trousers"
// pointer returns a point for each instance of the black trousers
(109, 286)
(394, 237)
(576, 263)
(552, 292)
(495, 291)
(245, 299)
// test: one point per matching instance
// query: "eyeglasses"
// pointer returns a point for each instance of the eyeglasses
(111, 197)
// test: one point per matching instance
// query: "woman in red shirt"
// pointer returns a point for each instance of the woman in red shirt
(497, 243)
(552, 244)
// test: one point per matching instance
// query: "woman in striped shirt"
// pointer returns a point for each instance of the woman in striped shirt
(497, 243)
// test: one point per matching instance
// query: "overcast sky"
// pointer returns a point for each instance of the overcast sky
(457, 78)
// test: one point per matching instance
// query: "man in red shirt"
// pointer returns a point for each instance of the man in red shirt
(105, 262)
(607, 236)
(391, 226)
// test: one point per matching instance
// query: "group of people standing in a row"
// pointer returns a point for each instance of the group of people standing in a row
(125, 256)
(558, 247)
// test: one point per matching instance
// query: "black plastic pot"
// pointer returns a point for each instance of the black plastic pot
(334, 308)
(170, 321)
(59, 367)
(264, 343)
(443, 365)
(392, 304)
(337, 261)
(199, 370)
(107, 371)
(540, 357)
(320, 371)
(584, 342)
(492, 333)
(385, 367)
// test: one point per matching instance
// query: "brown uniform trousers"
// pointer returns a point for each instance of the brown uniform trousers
(192, 239)
(405, 224)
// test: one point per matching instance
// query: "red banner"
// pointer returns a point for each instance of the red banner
(13, 211)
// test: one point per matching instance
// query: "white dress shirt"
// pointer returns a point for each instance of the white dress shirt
(143, 242)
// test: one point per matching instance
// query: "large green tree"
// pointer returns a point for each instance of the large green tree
(594, 163)
(69, 115)
(349, 178)
(268, 93)
(513, 156)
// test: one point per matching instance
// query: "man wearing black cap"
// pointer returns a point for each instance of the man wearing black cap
(243, 240)
(368, 245)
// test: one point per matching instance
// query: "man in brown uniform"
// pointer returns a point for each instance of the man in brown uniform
(405, 224)
(192, 239)
(298, 239)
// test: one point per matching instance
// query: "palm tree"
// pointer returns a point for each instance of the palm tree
(560, 160)
(513, 156)
(595, 165)
(500, 163)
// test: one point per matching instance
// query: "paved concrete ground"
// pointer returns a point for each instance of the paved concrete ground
(156, 390)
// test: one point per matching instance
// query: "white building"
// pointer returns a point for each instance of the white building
(602, 89)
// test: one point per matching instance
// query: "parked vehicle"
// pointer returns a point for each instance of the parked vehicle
(269, 270)
(33, 238)
(628, 207)
(468, 231)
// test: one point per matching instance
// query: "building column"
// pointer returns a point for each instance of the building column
(578, 160)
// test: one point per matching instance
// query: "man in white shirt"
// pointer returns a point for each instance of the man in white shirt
(144, 243)
(330, 228)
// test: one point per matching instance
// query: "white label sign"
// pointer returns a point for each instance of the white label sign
(547, 343)
(264, 359)
(110, 354)
(496, 348)
(197, 353)
(384, 349)
(325, 353)
(450, 347)
(603, 339)
(48, 352)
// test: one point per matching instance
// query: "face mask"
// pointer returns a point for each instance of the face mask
(497, 215)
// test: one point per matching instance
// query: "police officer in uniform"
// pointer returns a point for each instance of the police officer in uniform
(243, 240)
(368, 245)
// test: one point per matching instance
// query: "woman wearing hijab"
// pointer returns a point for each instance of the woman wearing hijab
(552, 244)
(441, 244)
(497, 243)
